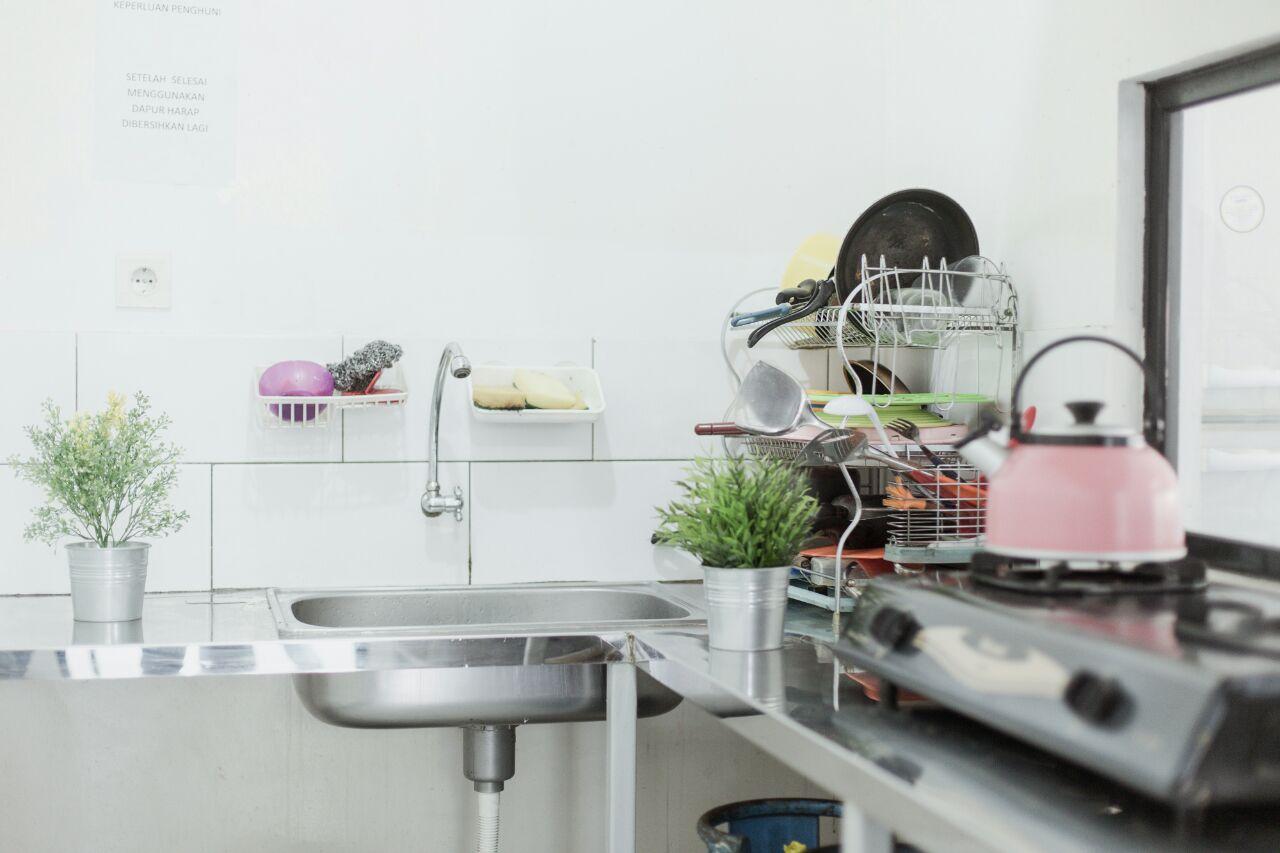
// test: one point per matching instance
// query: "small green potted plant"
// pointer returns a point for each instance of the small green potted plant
(744, 520)
(107, 478)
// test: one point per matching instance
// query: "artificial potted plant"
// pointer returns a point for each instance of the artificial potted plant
(106, 478)
(744, 520)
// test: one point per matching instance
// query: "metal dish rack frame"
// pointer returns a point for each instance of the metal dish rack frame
(922, 308)
(948, 530)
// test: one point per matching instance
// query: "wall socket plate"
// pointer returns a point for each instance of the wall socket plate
(143, 281)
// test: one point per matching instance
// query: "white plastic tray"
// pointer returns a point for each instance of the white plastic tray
(582, 380)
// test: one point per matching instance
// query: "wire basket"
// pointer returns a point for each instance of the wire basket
(928, 307)
(950, 526)
(925, 307)
(828, 447)
(301, 413)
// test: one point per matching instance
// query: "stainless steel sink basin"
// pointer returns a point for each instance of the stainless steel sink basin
(511, 654)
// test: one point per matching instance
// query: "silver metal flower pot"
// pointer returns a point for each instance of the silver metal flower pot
(746, 608)
(107, 584)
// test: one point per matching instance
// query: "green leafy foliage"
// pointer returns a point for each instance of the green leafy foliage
(740, 514)
(106, 476)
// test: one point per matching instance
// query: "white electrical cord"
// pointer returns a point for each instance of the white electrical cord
(857, 383)
(487, 821)
(839, 567)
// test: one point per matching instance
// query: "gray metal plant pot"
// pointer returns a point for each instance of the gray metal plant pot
(746, 608)
(107, 584)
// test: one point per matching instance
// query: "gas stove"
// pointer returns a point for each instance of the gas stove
(1159, 676)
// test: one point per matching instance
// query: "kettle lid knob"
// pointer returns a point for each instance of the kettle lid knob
(1085, 411)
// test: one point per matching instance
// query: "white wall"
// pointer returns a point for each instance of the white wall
(540, 180)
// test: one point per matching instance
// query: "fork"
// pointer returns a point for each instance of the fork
(911, 432)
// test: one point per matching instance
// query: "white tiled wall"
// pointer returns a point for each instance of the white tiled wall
(205, 383)
(571, 521)
(340, 506)
(333, 525)
(372, 436)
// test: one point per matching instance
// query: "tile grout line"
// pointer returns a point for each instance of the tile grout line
(593, 423)
(211, 528)
(471, 516)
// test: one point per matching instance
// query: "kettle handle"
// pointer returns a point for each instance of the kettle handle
(1153, 428)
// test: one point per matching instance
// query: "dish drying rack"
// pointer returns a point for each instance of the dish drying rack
(930, 307)
(925, 307)
(304, 413)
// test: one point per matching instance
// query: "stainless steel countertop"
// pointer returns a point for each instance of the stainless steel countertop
(944, 782)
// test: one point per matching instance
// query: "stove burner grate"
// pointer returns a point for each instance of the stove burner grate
(1232, 626)
(1034, 577)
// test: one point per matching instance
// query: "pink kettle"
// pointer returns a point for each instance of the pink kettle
(1088, 492)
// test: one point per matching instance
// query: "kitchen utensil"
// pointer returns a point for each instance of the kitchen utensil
(852, 405)
(874, 379)
(911, 431)
(757, 316)
(799, 294)
(819, 297)
(904, 228)
(725, 428)
(970, 494)
(899, 496)
(1087, 492)
(771, 403)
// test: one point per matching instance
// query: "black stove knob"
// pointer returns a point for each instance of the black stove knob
(894, 628)
(1096, 699)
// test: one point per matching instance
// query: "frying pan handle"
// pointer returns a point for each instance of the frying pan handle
(779, 310)
(801, 292)
(821, 296)
(1153, 428)
(721, 428)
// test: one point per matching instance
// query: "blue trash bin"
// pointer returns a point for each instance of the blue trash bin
(765, 826)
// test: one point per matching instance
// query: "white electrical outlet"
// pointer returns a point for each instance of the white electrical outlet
(143, 281)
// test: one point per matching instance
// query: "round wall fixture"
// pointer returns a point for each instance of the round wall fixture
(1242, 209)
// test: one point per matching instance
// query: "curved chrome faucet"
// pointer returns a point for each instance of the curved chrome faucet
(433, 503)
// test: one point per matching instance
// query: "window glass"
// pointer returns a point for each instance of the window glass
(1225, 341)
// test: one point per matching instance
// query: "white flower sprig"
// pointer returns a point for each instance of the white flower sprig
(106, 475)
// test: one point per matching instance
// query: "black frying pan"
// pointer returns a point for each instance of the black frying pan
(905, 228)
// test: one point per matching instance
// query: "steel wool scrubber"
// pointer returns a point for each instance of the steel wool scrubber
(358, 371)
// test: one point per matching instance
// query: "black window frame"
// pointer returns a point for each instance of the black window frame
(1165, 97)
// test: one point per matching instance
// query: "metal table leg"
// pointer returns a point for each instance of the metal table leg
(620, 709)
(860, 834)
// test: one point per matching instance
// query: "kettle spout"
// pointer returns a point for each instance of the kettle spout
(983, 452)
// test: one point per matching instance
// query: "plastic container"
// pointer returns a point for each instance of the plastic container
(582, 380)
(287, 412)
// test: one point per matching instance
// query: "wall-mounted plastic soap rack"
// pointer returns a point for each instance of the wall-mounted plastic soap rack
(295, 412)
(582, 381)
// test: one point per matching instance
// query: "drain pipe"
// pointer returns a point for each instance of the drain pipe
(488, 760)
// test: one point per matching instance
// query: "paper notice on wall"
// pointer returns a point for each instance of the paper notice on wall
(165, 91)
